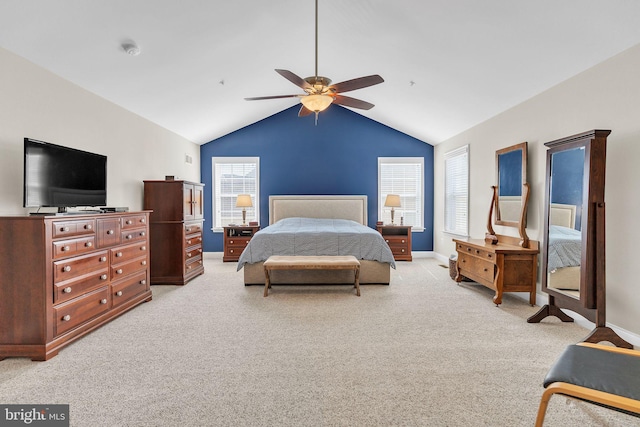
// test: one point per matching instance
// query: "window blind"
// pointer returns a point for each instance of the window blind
(233, 176)
(402, 176)
(456, 182)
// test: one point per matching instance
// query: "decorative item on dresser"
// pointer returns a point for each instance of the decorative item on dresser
(398, 237)
(62, 277)
(176, 230)
(236, 238)
(499, 262)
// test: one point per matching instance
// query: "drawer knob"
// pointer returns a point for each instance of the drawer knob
(118, 254)
(64, 229)
(230, 250)
(486, 269)
(103, 277)
(103, 258)
(65, 248)
(88, 227)
(67, 290)
(110, 231)
(119, 293)
(66, 318)
(142, 233)
(67, 268)
(489, 256)
(88, 244)
(402, 250)
(188, 230)
(103, 301)
(188, 255)
(143, 248)
(189, 242)
(469, 249)
(143, 220)
(143, 263)
(119, 271)
(231, 241)
(129, 222)
(143, 282)
(129, 236)
(477, 251)
(402, 240)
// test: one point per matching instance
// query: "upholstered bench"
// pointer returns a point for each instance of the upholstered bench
(280, 262)
(604, 375)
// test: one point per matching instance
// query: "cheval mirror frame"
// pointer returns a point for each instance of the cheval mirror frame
(510, 210)
(576, 284)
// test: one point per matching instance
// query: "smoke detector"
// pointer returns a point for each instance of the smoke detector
(131, 48)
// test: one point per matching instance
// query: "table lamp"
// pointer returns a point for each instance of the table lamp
(392, 201)
(244, 201)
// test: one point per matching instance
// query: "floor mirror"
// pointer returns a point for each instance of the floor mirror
(573, 251)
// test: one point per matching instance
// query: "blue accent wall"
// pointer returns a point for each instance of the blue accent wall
(567, 179)
(338, 156)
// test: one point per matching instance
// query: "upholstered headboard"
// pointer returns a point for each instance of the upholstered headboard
(335, 207)
(564, 215)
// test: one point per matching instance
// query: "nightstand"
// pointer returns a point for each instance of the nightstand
(236, 238)
(398, 237)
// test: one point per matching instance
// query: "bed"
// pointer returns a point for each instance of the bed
(300, 218)
(565, 248)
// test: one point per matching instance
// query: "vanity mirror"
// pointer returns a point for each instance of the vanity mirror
(511, 192)
(573, 252)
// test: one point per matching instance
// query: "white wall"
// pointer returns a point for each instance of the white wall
(38, 104)
(606, 96)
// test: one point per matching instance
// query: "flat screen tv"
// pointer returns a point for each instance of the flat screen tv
(62, 177)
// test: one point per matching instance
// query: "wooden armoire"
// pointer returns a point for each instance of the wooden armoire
(175, 230)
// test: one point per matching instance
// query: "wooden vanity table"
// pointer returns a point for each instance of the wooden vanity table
(499, 262)
(503, 267)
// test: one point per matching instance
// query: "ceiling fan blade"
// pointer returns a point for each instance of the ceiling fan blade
(258, 98)
(347, 101)
(295, 79)
(358, 83)
(304, 111)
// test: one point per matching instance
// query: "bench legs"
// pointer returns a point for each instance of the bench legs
(267, 281)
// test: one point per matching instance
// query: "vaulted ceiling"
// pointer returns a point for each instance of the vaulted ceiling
(447, 64)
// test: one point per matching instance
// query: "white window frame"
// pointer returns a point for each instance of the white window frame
(402, 191)
(216, 162)
(456, 191)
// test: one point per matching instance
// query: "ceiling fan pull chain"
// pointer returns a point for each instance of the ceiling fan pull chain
(316, 41)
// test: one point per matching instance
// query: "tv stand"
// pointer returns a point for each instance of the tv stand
(63, 277)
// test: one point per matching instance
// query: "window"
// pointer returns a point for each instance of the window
(233, 176)
(403, 176)
(456, 191)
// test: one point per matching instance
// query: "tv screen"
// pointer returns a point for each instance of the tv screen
(62, 177)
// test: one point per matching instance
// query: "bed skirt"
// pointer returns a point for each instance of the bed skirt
(371, 272)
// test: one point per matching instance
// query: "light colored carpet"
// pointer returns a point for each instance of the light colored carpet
(423, 351)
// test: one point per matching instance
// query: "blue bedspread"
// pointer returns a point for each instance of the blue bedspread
(315, 236)
(565, 247)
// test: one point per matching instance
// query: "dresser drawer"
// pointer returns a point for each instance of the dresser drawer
(193, 239)
(128, 288)
(69, 289)
(192, 265)
(128, 252)
(133, 235)
(477, 266)
(134, 221)
(124, 269)
(193, 227)
(71, 247)
(74, 267)
(79, 310)
(73, 228)
(481, 253)
(108, 231)
(194, 253)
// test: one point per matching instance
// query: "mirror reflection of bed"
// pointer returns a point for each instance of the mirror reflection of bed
(565, 250)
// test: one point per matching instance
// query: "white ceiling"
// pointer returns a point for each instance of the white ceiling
(448, 64)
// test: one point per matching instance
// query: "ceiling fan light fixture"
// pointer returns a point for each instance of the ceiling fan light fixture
(316, 103)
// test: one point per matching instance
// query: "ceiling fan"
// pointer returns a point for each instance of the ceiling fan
(320, 93)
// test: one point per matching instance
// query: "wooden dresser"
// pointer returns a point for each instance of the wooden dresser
(503, 267)
(63, 276)
(398, 237)
(236, 238)
(176, 223)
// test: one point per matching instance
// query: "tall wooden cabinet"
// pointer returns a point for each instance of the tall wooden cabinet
(176, 224)
(63, 276)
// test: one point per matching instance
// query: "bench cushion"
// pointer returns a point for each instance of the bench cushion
(311, 262)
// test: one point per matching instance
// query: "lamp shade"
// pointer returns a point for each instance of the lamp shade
(316, 103)
(392, 200)
(243, 201)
